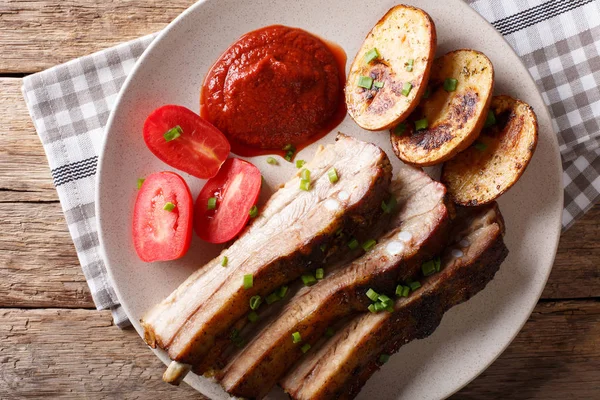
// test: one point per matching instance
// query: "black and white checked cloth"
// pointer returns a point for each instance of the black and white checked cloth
(558, 40)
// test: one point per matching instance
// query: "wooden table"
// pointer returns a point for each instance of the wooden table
(54, 343)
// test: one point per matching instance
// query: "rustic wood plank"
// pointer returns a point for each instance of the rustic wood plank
(38, 34)
(24, 172)
(38, 263)
(79, 354)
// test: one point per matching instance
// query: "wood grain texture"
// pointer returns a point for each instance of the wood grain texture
(38, 34)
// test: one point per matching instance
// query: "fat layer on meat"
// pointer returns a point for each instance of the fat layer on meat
(340, 368)
(281, 243)
(416, 231)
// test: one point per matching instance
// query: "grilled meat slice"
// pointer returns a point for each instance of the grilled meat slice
(416, 231)
(340, 368)
(282, 243)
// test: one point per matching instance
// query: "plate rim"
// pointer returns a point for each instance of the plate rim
(459, 3)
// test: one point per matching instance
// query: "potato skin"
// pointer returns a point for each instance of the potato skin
(486, 170)
(455, 118)
(404, 33)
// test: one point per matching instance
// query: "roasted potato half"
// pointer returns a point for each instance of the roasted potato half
(498, 158)
(451, 116)
(388, 75)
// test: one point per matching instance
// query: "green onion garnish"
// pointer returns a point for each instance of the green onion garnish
(329, 332)
(427, 93)
(379, 307)
(368, 245)
(272, 298)
(414, 285)
(308, 280)
(400, 129)
(224, 261)
(371, 308)
(378, 84)
(272, 161)
(409, 65)
(289, 155)
(253, 317)
(480, 146)
(406, 88)
(289, 147)
(386, 301)
(248, 281)
(428, 268)
(390, 206)
(405, 291)
(365, 82)
(384, 358)
(490, 119)
(235, 338)
(437, 263)
(421, 124)
(333, 176)
(323, 247)
(300, 163)
(169, 206)
(255, 302)
(282, 291)
(212, 203)
(450, 84)
(305, 174)
(390, 308)
(319, 273)
(353, 244)
(373, 295)
(173, 133)
(140, 182)
(399, 290)
(296, 338)
(305, 347)
(371, 55)
(253, 212)
(304, 185)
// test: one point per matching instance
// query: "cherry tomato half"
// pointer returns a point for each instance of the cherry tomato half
(186, 141)
(223, 206)
(162, 218)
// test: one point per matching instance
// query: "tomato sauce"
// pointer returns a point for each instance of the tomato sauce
(274, 87)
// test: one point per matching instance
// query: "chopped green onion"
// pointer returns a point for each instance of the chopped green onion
(296, 338)
(399, 290)
(421, 124)
(365, 82)
(373, 295)
(379, 307)
(300, 163)
(140, 182)
(450, 84)
(384, 358)
(308, 280)
(437, 263)
(428, 268)
(235, 338)
(248, 281)
(212, 203)
(289, 155)
(390, 206)
(255, 302)
(282, 291)
(368, 245)
(304, 185)
(323, 247)
(490, 119)
(305, 174)
(224, 261)
(253, 317)
(384, 299)
(378, 84)
(414, 285)
(272, 298)
(173, 133)
(480, 146)
(371, 55)
(353, 244)
(400, 129)
(272, 161)
(390, 308)
(305, 348)
(427, 93)
(333, 176)
(329, 332)
(253, 211)
(409, 65)
(169, 206)
(406, 88)
(289, 147)
(319, 273)
(371, 308)
(405, 291)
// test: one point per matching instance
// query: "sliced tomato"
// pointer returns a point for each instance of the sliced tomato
(236, 188)
(160, 234)
(200, 149)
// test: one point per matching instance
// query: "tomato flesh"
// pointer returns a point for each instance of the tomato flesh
(200, 150)
(158, 234)
(236, 188)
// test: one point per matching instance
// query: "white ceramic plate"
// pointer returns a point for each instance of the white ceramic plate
(471, 335)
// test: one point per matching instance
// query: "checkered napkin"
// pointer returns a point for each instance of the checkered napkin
(558, 40)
